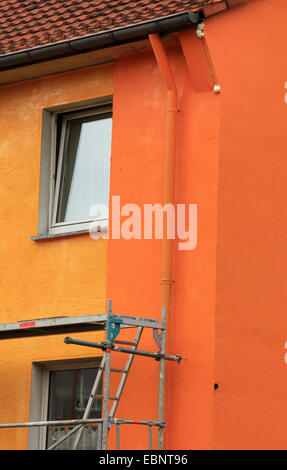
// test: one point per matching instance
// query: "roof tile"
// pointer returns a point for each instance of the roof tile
(26, 23)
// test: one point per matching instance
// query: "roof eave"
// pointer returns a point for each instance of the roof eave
(100, 40)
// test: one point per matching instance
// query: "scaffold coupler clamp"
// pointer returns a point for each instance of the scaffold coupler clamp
(107, 346)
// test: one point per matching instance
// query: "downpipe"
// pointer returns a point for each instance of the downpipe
(167, 244)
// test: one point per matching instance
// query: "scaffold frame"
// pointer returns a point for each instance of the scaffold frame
(112, 324)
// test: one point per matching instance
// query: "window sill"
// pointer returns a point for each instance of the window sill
(58, 235)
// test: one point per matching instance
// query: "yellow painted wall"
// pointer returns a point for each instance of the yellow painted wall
(39, 279)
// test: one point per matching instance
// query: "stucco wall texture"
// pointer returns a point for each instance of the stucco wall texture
(59, 277)
(227, 318)
(250, 323)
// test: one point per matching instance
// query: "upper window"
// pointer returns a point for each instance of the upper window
(79, 151)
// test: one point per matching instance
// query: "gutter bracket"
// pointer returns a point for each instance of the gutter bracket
(201, 35)
(199, 30)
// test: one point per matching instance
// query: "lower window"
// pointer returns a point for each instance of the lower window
(61, 392)
(69, 391)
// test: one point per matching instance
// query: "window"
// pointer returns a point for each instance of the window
(60, 391)
(76, 152)
(69, 391)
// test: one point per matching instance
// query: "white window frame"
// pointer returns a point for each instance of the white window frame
(49, 180)
(40, 382)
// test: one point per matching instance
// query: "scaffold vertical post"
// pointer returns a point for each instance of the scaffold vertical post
(161, 380)
(106, 421)
(99, 437)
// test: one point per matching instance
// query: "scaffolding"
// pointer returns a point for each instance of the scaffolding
(112, 324)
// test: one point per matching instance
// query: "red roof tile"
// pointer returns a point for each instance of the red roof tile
(25, 24)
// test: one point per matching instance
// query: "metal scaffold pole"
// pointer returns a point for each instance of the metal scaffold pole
(107, 380)
(162, 380)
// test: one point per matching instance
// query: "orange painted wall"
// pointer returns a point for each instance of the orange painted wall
(249, 48)
(134, 266)
(64, 276)
(228, 316)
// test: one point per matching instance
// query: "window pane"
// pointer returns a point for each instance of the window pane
(69, 392)
(85, 169)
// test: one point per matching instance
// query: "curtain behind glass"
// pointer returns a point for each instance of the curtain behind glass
(85, 172)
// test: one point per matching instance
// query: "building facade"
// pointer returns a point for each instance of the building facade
(177, 114)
